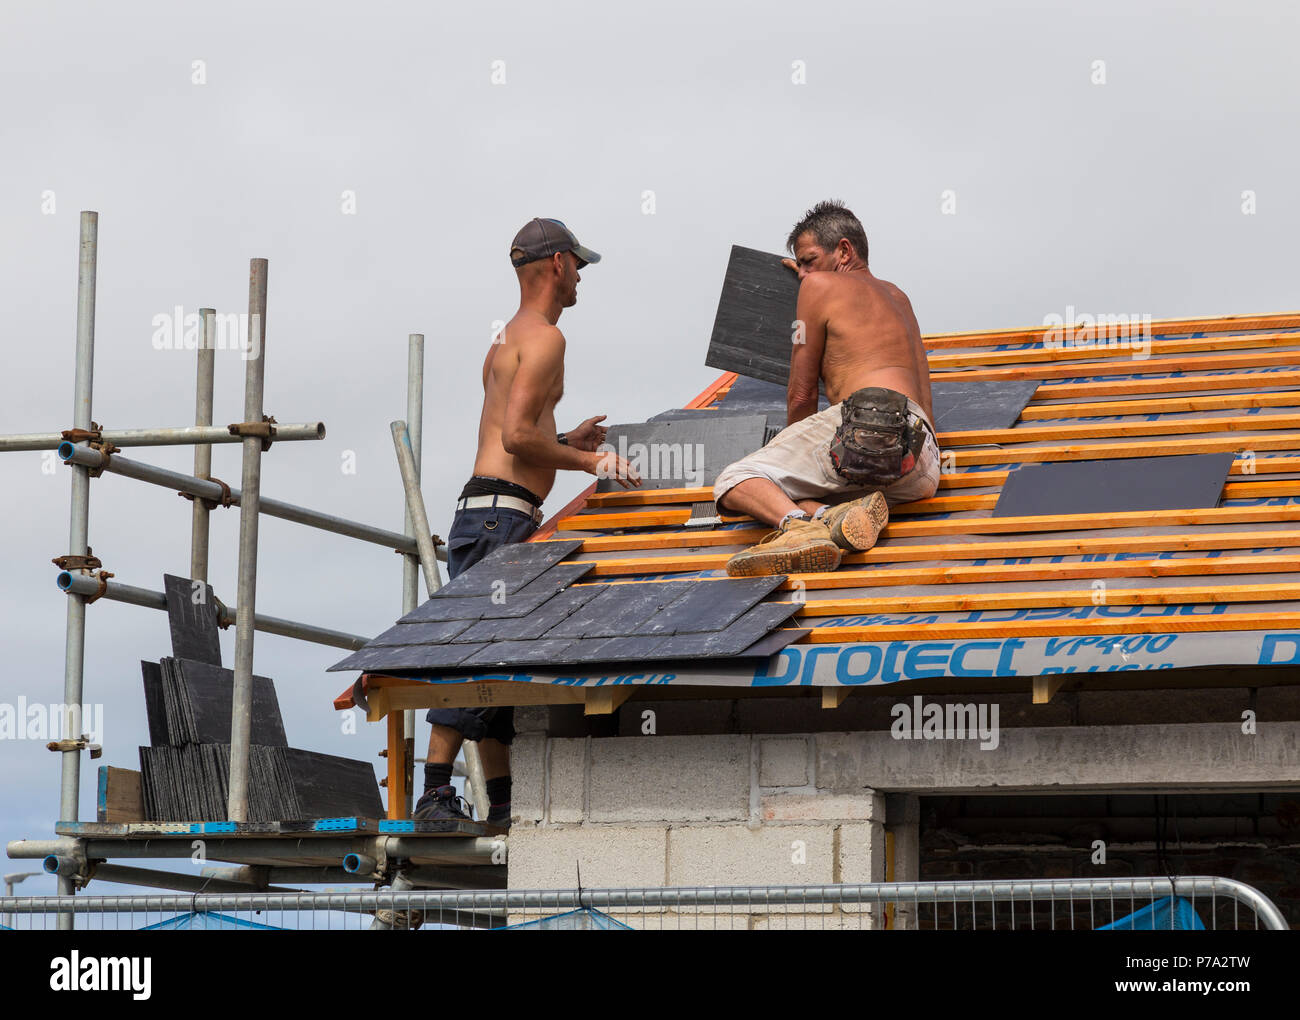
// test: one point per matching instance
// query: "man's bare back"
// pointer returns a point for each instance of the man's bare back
(871, 336)
(500, 369)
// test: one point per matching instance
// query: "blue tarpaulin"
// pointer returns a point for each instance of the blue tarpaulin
(206, 921)
(574, 920)
(1162, 915)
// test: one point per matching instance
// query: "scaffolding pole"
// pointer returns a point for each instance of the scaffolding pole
(476, 780)
(207, 365)
(176, 435)
(411, 569)
(119, 465)
(115, 591)
(241, 704)
(79, 526)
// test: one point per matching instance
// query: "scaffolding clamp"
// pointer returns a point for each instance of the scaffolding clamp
(226, 501)
(93, 437)
(88, 565)
(71, 562)
(263, 430)
(102, 577)
(415, 555)
(82, 743)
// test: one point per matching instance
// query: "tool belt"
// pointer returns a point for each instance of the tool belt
(872, 441)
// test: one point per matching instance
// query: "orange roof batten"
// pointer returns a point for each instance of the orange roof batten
(1031, 334)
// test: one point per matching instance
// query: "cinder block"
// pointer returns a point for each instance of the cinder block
(671, 779)
(610, 856)
(783, 761)
(801, 807)
(861, 858)
(839, 764)
(568, 760)
(739, 855)
(527, 771)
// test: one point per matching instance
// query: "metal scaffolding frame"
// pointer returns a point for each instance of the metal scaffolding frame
(90, 450)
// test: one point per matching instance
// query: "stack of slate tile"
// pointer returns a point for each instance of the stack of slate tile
(519, 606)
(186, 771)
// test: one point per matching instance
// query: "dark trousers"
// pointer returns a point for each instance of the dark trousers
(474, 534)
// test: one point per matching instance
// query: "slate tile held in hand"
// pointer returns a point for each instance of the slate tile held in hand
(192, 617)
(620, 609)
(507, 568)
(751, 331)
(1192, 481)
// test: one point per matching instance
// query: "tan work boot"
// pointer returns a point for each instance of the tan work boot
(856, 525)
(801, 546)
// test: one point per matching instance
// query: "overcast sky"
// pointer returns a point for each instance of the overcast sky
(1097, 156)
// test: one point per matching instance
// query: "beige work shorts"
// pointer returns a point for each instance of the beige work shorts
(798, 462)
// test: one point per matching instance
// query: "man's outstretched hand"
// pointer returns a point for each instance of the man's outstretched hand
(610, 465)
(589, 435)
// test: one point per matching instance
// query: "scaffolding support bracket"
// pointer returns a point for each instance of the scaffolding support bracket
(263, 430)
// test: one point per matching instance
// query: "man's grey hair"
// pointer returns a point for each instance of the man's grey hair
(828, 222)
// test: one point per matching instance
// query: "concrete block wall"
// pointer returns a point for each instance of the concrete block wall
(691, 810)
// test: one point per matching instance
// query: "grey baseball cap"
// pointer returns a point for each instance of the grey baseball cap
(542, 238)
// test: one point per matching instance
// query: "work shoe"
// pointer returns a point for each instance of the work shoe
(441, 803)
(799, 547)
(856, 525)
(400, 920)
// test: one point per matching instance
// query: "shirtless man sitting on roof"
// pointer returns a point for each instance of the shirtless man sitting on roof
(861, 341)
(519, 452)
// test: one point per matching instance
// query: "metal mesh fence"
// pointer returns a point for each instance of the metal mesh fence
(1073, 904)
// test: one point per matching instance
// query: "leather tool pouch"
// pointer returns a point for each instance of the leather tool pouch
(872, 441)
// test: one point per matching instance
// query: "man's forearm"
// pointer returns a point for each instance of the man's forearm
(543, 450)
(799, 408)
